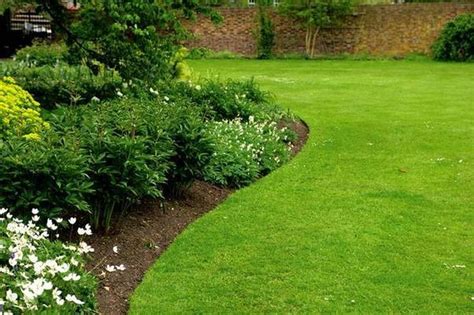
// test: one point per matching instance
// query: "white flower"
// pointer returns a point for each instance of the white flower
(12, 296)
(115, 249)
(57, 296)
(110, 268)
(85, 231)
(31, 290)
(120, 94)
(63, 268)
(3, 211)
(72, 220)
(51, 225)
(153, 91)
(95, 99)
(120, 267)
(35, 211)
(35, 218)
(72, 276)
(73, 299)
(166, 98)
(59, 220)
(84, 248)
(74, 262)
(33, 258)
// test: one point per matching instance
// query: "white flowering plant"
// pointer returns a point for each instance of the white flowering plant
(245, 151)
(38, 272)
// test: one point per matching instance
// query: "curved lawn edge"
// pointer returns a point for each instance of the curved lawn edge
(373, 216)
(147, 232)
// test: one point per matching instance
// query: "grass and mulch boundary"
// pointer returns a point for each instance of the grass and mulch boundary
(143, 235)
(373, 216)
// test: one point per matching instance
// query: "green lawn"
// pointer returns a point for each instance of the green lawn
(375, 215)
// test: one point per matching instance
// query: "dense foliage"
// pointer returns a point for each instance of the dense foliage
(19, 112)
(245, 151)
(63, 84)
(39, 274)
(456, 41)
(265, 34)
(224, 100)
(43, 175)
(41, 54)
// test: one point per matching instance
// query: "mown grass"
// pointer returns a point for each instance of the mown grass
(375, 215)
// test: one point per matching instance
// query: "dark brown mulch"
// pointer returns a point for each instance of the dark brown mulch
(148, 231)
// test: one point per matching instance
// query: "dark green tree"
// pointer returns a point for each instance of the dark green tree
(139, 38)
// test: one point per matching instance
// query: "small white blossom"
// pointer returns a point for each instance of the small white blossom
(12, 296)
(84, 248)
(120, 267)
(72, 298)
(51, 225)
(72, 220)
(72, 277)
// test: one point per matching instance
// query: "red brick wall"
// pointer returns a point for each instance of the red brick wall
(378, 30)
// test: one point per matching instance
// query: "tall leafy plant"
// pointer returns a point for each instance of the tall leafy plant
(314, 15)
(265, 32)
(139, 38)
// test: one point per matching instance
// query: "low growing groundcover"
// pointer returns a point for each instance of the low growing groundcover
(374, 215)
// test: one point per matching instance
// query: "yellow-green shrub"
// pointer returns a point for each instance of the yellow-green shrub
(19, 112)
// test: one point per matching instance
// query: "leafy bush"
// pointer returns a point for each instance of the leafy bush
(181, 69)
(38, 275)
(19, 112)
(42, 54)
(456, 41)
(191, 145)
(127, 152)
(226, 100)
(245, 151)
(265, 34)
(64, 84)
(38, 174)
(138, 38)
(205, 53)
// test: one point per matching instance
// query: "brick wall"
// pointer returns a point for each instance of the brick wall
(378, 30)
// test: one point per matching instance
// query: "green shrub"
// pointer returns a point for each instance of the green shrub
(265, 34)
(39, 174)
(245, 151)
(456, 41)
(223, 100)
(192, 148)
(199, 53)
(64, 84)
(42, 54)
(19, 112)
(181, 69)
(39, 275)
(205, 53)
(127, 152)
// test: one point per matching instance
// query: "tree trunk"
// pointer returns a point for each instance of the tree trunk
(313, 42)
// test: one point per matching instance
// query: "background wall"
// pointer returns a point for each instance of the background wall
(379, 30)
